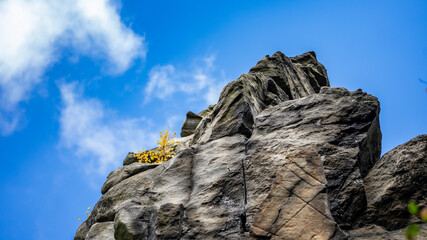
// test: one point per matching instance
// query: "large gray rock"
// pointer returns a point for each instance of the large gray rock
(400, 176)
(226, 186)
(281, 156)
(335, 124)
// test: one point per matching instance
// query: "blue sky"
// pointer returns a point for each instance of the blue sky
(84, 82)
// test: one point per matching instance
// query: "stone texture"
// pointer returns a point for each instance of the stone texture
(273, 80)
(207, 111)
(125, 172)
(280, 156)
(170, 221)
(400, 176)
(82, 231)
(190, 124)
(222, 199)
(129, 159)
(374, 232)
(134, 222)
(334, 124)
(296, 200)
(101, 231)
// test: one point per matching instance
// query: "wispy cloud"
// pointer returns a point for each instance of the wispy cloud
(201, 80)
(34, 31)
(96, 134)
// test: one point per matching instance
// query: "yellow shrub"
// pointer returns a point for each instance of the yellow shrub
(163, 152)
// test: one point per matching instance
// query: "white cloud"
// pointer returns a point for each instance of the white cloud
(202, 81)
(33, 31)
(161, 82)
(95, 133)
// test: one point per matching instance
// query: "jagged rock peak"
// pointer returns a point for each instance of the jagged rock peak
(276, 66)
(271, 81)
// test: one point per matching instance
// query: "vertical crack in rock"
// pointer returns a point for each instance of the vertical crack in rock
(245, 200)
(191, 177)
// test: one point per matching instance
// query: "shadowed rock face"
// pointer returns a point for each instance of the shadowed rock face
(280, 156)
(400, 176)
(334, 124)
(273, 80)
(190, 124)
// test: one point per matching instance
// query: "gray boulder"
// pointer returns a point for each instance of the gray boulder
(400, 176)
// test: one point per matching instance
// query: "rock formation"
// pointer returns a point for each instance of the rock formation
(190, 124)
(281, 156)
(398, 177)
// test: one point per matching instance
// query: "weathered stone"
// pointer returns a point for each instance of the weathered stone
(400, 176)
(130, 159)
(298, 76)
(82, 231)
(190, 124)
(183, 143)
(170, 221)
(101, 231)
(168, 183)
(124, 172)
(135, 222)
(215, 202)
(207, 111)
(296, 201)
(373, 232)
(334, 123)
(273, 80)
(208, 180)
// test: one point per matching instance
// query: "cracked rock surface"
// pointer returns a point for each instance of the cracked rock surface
(280, 156)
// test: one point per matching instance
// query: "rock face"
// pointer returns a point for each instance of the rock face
(400, 176)
(335, 124)
(273, 80)
(190, 124)
(280, 156)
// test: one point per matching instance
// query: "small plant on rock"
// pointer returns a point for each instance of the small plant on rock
(163, 152)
